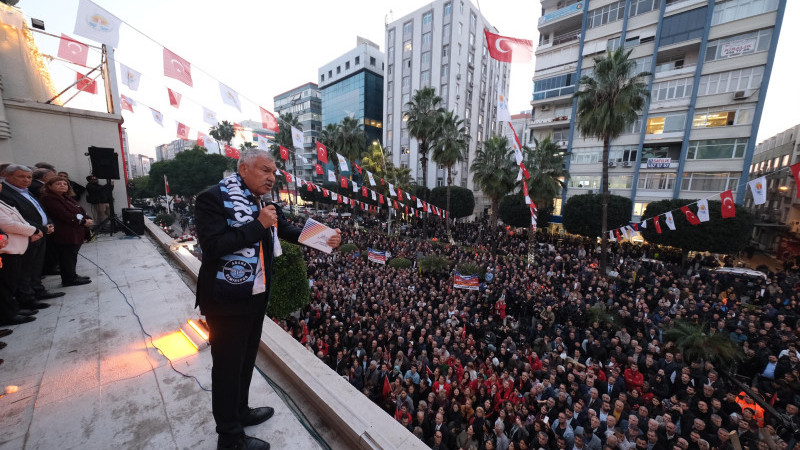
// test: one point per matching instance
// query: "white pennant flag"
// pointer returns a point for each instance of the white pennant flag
(97, 24)
(371, 179)
(503, 115)
(212, 145)
(129, 77)
(624, 232)
(263, 142)
(631, 231)
(299, 182)
(519, 175)
(355, 187)
(158, 117)
(419, 204)
(342, 163)
(670, 220)
(277, 172)
(304, 159)
(611, 236)
(391, 190)
(408, 196)
(758, 187)
(331, 176)
(297, 138)
(702, 210)
(334, 196)
(209, 116)
(229, 96)
(516, 145)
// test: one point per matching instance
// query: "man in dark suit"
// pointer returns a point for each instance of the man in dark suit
(15, 193)
(238, 243)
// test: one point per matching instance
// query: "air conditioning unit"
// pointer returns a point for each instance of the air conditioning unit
(545, 107)
(679, 64)
(612, 164)
(626, 164)
(561, 143)
(740, 95)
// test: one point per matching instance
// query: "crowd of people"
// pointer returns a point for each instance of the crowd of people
(42, 227)
(552, 355)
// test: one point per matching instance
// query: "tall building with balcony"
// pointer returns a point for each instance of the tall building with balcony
(352, 86)
(305, 102)
(441, 45)
(777, 227)
(166, 152)
(711, 63)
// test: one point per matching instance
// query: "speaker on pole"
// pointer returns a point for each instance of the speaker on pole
(105, 164)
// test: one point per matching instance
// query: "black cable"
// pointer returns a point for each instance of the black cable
(138, 319)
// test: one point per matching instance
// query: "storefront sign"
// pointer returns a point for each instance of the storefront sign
(658, 163)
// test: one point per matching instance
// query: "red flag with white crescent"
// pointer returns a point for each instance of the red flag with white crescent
(284, 153)
(86, 84)
(343, 182)
(658, 225)
(508, 49)
(322, 153)
(268, 120)
(174, 98)
(318, 169)
(177, 68)
(728, 206)
(183, 131)
(72, 50)
(690, 216)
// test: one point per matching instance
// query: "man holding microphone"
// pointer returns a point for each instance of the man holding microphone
(239, 239)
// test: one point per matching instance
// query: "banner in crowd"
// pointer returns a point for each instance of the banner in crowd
(466, 282)
(376, 256)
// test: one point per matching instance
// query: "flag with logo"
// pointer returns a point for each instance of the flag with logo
(157, 117)
(97, 24)
(177, 68)
(174, 98)
(209, 116)
(503, 114)
(391, 190)
(759, 189)
(129, 77)
(508, 49)
(376, 256)
(268, 121)
(728, 206)
(690, 216)
(262, 141)
(466, 282)
(342, 163)
(371, 178)
(72, 50)
(517, 147)
(229, 96)
(331, 176)
(86, 84)
(669, 220)
(702, 211)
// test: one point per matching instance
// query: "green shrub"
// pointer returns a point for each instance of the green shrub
(437, 243)
(289, 289)
(433, 263)
(400, 263)
(164, 220)
(471, 269)
(348, 248)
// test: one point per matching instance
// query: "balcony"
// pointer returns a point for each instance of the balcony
(563, 13)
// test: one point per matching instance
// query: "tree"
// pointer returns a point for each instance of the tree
(546, 165)
(433, 263)
(718, 235)
(327, 136)
(283, 138)
(515, 212)
(190, 172)
(581, 214)
(450, 143)
(247, 145)
(350, 139)
(462, 200)
(608, 103)
(289, 288)
(494, 172)
(140, 188)
(223, 132)
(698, 346)
(423, 111)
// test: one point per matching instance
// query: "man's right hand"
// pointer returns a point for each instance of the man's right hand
(268, 216)
(37, 236)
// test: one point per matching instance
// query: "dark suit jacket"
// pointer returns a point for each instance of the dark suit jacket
(217, 239)
(24, 206)
(64, 211)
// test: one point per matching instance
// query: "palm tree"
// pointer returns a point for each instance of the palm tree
(697, 345)
(327, 136)
(450, 144)
(222, 132)
(423, 109)
(545, 163)
(350, 140)
(246, 145)
(608, 103)
(284, 139)
(494, 173)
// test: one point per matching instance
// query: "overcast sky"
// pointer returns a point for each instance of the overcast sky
(263, 48)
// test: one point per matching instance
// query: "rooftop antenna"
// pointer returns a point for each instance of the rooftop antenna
(388, 18)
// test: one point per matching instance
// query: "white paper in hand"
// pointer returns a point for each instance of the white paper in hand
(316, 235)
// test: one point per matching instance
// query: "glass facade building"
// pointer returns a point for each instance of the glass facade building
(359, 95)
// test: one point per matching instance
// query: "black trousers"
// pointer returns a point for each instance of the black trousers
(9, 278)
(234, 344)
(50, 255)
(67, 259)
(30, 278)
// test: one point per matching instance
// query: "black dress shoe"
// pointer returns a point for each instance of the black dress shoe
(255, 416)
(28, 312)
(5, 332)
(16, 320)
(2, 345)
(76, 282)
(47, 295)
(246, 443)
(35, 305)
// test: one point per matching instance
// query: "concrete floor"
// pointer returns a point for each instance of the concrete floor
(87, 377)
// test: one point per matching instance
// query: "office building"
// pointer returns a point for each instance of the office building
(139, 165)
(352, 86)
(304, 102)
(696, 135)
(166, 152)
(441, 45)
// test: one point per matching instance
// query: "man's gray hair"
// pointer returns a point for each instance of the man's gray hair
(11, 168)
(251, 154)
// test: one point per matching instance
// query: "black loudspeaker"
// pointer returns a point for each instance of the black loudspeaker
(133, 218)
(104, 163)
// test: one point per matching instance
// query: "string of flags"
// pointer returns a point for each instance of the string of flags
(758, 188)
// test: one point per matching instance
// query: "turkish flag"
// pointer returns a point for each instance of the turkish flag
(309, 187)
(658, 225)
(636, 226)
(340, 199)
(318, 169)
(525, 172)
(616, 233)
(358, 168)
(284, 153)
(183, 131)
(268, 120)
(508, 49)
(177, 68)
(72, 50)
(322, 153)
(288, 176)
(728, 206)
(174, 98)
(324, 192)
(400, 194)
(125, 103)
(395, 205)
(344, 182)
(238, 129)
(201, 139)
(86, 84)
(796, 172)
(380, 199)
(231, 152)
(690, 216)
(364, 191)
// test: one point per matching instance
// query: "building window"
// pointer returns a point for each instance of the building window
(742, 44)
(620, 182)
(554, 86)
(709, 182)
(606, 14)
(443, 91)
(406, 82)
(358, 60)
(426, 58)
(656, 181)
(684, 26)
(338, 70)
(643, 6)
(427, 18)
(709, 119)
(347, 65)
(371, 60)
(390, 69)
(445, 72)
(426, 38)
(445, 51)
(472, 39)
(446, 33)
(639, 208)
(408, 27)
(736, 80)
(448, 9)
(407, 47)
(322, 77)
(460, 28)
(717, 149)
(330, 74)
(585, 181)
(666, 124)
(389, 88)
(407, 63)
(614, 43)
(740, 9)
(670, 90)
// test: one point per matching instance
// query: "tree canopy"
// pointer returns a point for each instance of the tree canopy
(190, 172)
(462, 200)
(582, 213)
(515, 212)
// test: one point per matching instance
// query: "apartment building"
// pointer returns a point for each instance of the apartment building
(305, 102)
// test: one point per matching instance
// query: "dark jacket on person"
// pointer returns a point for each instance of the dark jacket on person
(217, 239)
(24, 206)
(68, 218)
(98, 193)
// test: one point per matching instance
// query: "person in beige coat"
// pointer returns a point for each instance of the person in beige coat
(16, 234)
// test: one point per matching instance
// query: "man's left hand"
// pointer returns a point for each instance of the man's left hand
(50, 228)
(336, 239)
